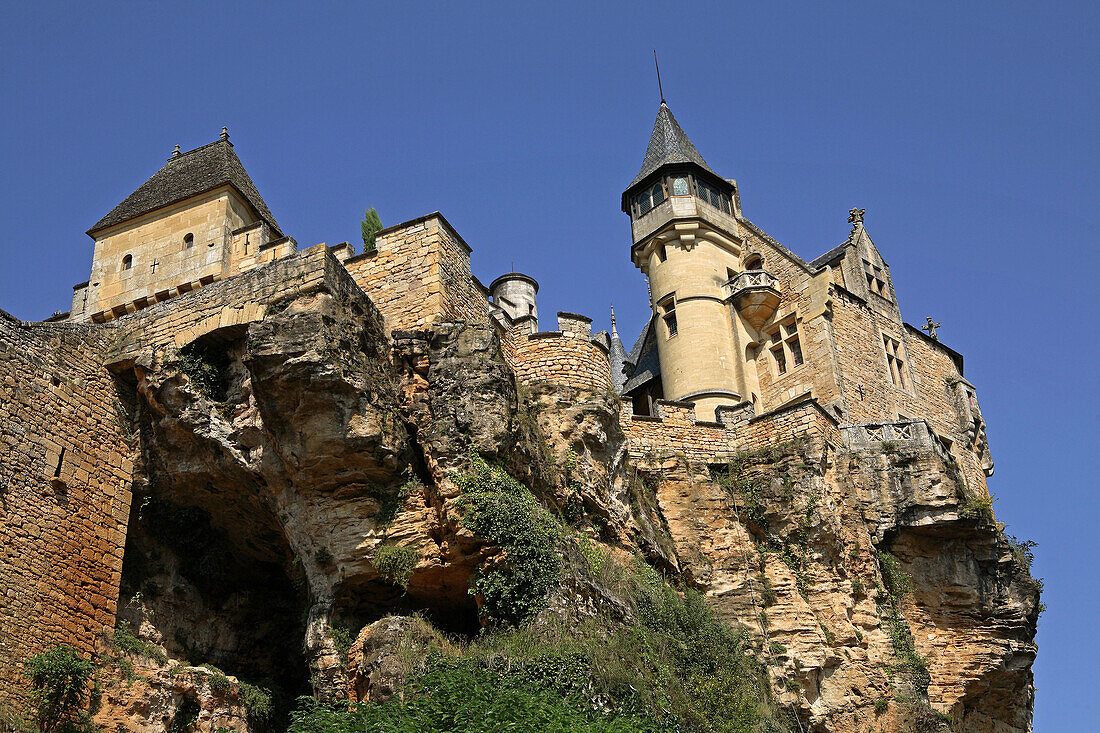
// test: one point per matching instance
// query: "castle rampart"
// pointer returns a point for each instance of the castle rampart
(64, 490)
(568, 356)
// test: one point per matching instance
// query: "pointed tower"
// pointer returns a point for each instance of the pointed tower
(197, 219)
(683, 218)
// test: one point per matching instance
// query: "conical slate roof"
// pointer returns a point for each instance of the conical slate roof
(186, 175)
(616, 356)
(668, 144)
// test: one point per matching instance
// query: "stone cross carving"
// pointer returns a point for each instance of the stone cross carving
(855, 218)
(931, 327)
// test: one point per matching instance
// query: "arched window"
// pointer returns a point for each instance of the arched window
(649, 198)
(754, 262)
(680, 186)
(127, 262)
(188, 240)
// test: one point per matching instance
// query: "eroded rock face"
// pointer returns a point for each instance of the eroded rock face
(324, 441)
(790, 542)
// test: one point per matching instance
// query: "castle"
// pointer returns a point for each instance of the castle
(748, 343)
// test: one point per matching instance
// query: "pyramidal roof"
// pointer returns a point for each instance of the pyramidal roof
(190, 174)
(668, 144)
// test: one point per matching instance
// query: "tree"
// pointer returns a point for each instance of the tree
(370, 226)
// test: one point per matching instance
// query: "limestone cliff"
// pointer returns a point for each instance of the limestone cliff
(299, 487)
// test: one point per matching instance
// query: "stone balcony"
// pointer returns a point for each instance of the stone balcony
(755, 295)
(912, 434)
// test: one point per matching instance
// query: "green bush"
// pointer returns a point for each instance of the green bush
(257, 702)
(125, 640)
(495, 506)
(395, 563)
(59, 678)
(456, 697)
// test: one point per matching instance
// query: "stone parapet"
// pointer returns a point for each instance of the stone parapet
(675, 430)
(569, 357)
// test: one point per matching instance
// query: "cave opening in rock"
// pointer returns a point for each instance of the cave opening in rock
(195, 589)
(361, 604)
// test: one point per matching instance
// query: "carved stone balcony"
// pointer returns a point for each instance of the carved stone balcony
(755, 295)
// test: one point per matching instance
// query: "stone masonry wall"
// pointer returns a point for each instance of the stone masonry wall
(231, 302)
(869, 391)
(65, 482)
(567, 357)
(419, 272)
(462, 300)
(676, 431)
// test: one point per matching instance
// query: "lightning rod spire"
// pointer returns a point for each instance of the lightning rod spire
(659, 89)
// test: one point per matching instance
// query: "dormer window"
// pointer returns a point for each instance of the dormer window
(646, 200)
(712, 196)
(127, 262)
(188, 240)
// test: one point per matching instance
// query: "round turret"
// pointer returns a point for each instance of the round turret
(515, 294)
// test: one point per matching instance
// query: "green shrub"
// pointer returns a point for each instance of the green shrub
(187, 713)
(59, 678)
(515, 584)
(896, 581)
(342, 639)
(881, 706)
(257, 702)
(978, 507)
(217, 680)
(455, 697)
(395, 563)
(126, 641)
(206, 366)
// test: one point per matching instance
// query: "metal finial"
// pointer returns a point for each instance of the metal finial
(613, 318)
(225, 133)
(659, 89)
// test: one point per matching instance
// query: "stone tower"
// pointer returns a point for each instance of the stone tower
(683, 216)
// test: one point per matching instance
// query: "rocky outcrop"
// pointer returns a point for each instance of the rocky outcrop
(297, 484)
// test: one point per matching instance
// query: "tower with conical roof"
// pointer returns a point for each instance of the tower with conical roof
(197, 219)
(683, 219)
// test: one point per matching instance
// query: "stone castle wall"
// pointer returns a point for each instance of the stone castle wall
(65, 483)
(418, 272)
(675, 431)
(568, 357)
(929, 370)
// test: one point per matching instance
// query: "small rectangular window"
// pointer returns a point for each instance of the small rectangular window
(796, 351)
(668, 314)
(895, 363)
(780, 360)
(786, 346)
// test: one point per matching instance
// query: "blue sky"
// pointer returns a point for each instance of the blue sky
(968, 131)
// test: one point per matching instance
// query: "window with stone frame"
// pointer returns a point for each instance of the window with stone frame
(876, 279)
(668, 315)
(649, 198)
(895, 362)
(127, 262)
(785, 346)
